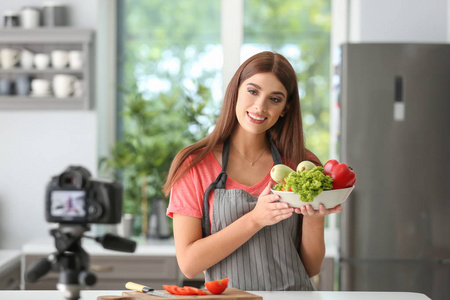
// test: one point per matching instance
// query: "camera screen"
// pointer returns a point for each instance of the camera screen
(68, 204)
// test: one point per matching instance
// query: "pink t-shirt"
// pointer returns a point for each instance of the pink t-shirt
(186, 197)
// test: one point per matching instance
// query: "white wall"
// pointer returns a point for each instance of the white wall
(399, 21)
(35, 145)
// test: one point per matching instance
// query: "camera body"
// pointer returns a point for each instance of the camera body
(74, 197)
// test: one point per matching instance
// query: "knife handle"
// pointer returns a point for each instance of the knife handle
(135, 287)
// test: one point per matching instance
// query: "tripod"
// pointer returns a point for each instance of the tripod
(72, 261)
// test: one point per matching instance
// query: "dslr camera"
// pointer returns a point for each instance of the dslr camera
(74, 197)
(75, 200)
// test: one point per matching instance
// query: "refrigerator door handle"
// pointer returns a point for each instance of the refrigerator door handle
(399, 104)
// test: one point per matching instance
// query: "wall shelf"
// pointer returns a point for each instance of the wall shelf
(45, 40)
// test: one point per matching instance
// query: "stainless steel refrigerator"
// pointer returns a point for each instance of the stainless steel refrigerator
(394, 130)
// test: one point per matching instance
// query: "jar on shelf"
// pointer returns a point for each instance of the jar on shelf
(54, 14)
(30, 17)
(10, 19)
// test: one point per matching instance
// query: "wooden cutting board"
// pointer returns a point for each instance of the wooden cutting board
(229, 294)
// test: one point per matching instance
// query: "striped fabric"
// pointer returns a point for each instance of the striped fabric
(269, 261)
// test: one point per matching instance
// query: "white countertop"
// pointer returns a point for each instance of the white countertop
(8, 258)
(92, 295)
(146, 247)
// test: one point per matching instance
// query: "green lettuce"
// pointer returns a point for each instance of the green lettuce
(308, 184)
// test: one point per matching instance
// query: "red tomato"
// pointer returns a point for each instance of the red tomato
(186, 290)
(194, 290)
(217, 286)
(289, 190)
(171, 288)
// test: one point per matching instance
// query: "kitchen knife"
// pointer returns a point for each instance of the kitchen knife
(145, 289)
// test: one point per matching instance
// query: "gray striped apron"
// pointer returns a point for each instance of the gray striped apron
(269, 261)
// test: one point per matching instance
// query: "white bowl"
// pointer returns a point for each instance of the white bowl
(329, 198)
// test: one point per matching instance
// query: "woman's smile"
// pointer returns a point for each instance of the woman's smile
(255, 118)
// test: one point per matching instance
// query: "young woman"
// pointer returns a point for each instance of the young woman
(225, 220)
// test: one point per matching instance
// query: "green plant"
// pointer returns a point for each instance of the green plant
(156, 128)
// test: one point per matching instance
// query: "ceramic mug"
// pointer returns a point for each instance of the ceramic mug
(60, 59)
(27, 59)
(78, 88)
(9, 57)
(41, 61)
(64, 85)
(40, 87)
(5, 86)
(75, 59)
(23, 85)
(30, 17)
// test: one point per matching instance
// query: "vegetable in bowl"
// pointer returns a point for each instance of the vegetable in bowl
(307, 183)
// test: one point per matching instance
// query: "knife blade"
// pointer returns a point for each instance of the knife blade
(146, 289)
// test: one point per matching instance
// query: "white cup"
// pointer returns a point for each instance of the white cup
(60, 59)
(75, 59)
(26, 59)
(40, 87)
(41, 61)
(29, 17)
(9, 57)
(78, 88)
(64, 85)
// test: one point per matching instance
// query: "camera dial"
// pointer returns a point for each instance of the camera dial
(95, 211)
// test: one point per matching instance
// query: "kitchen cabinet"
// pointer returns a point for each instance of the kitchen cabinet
(46, 40)
(113, 272)
(154, 263)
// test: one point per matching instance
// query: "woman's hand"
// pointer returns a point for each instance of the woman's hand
(307, 210)
(268, 210)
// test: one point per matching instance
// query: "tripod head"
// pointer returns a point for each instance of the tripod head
(72, 261)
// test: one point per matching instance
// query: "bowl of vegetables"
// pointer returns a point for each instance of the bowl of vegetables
(329, 198)
(313, 185)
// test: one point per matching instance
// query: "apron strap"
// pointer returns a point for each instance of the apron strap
(219, 183)
(275, 154)
(221, 179)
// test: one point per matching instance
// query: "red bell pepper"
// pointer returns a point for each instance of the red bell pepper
(343, 175)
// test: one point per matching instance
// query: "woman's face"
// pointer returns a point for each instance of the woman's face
(261, 101)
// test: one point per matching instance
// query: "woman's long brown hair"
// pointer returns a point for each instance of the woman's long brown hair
(287, 133)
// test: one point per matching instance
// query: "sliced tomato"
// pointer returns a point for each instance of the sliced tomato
(217, 286)
(202, 293)
(194, 290)
(186, 290)
(171, 288)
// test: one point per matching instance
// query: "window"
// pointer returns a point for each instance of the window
(300, 30)
(169, 45)
(171, 51)
(171, 48)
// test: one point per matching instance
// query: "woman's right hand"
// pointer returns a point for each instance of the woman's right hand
(268, 210)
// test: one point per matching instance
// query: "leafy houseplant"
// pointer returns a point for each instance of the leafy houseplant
(155, 130)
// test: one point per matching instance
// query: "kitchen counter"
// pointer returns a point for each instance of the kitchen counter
(148, 247)
(92, 295)
(8, 258)
(153, 262)
(9, 269)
